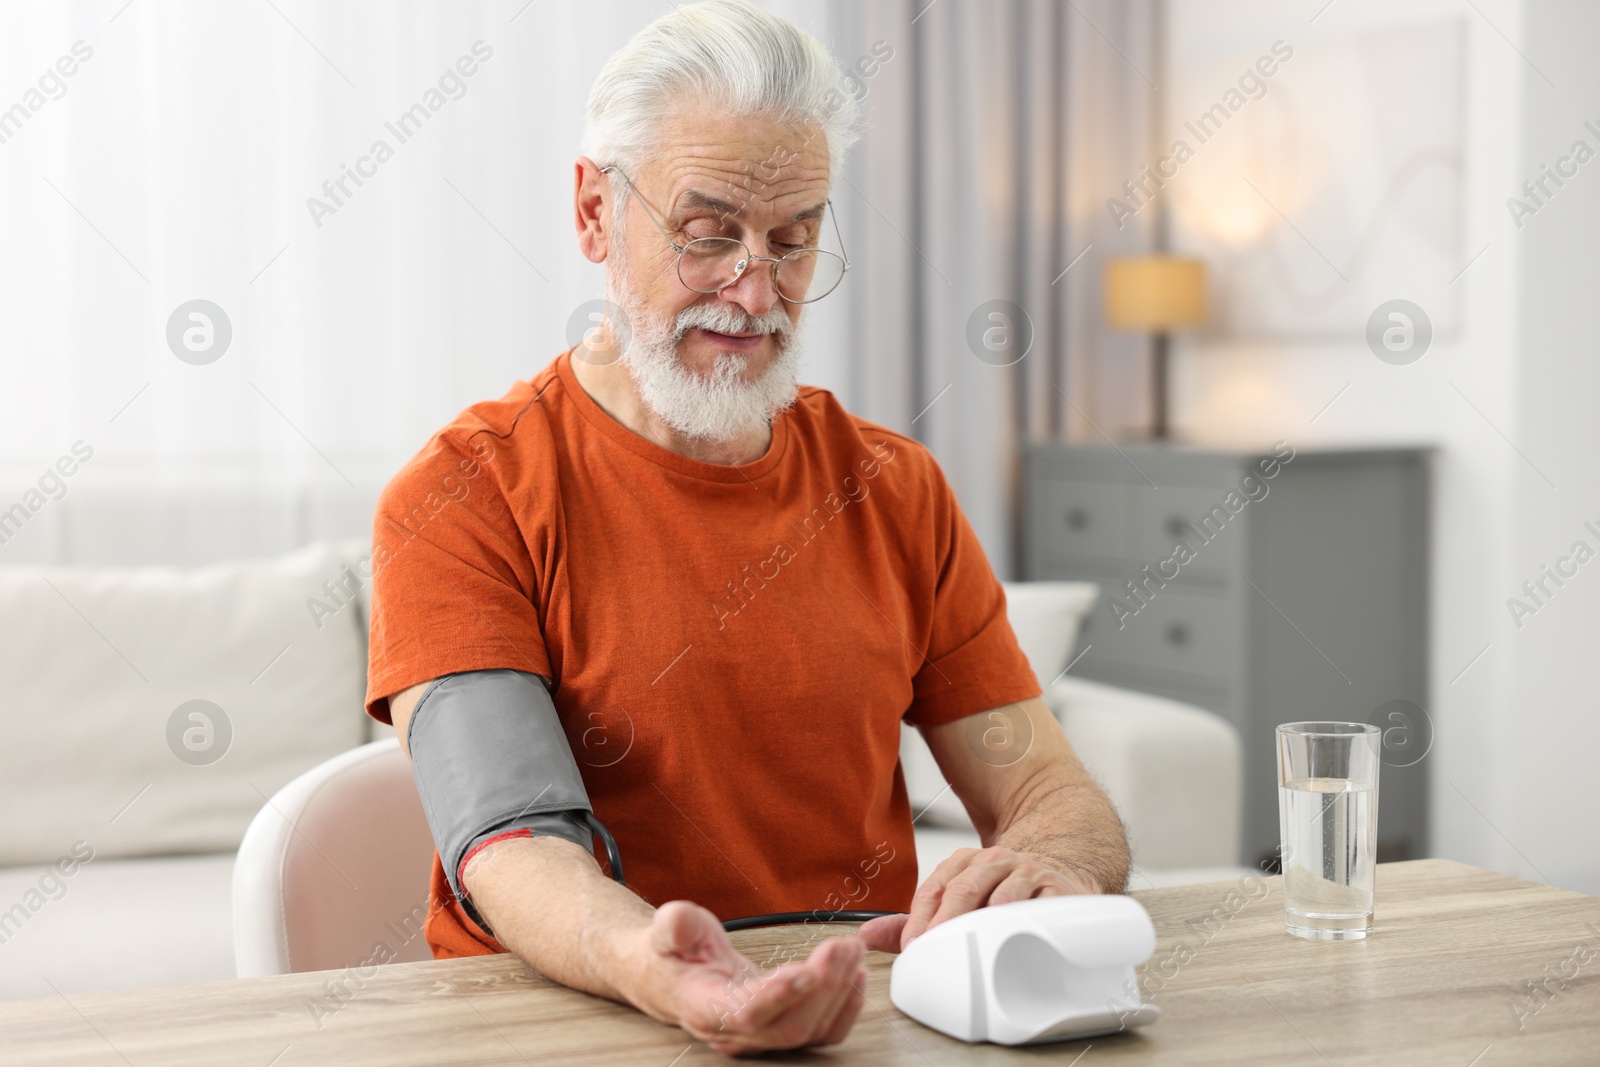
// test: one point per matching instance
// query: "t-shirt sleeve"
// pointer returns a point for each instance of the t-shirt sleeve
(453, 581)
(974, 662)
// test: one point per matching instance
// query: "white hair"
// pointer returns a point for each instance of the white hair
(727, 55)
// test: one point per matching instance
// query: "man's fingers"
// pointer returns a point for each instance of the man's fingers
(970, 890)
(1024, 884)
(798, 991)
(849, 1010)
(926, 901)
(966, 891)
(814, 1019)
(733, 1014)
(739, 1023)
(883, 933)
(843, 968)
(774, 995)
(805, 1020)
(780, 1010)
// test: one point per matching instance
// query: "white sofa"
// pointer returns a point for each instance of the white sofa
(122, 819)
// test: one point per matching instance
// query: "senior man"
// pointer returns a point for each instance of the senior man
(663, 591)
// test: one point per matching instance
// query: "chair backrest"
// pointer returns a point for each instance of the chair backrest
(334, 870)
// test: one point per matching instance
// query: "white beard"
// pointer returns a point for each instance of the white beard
(717, 406)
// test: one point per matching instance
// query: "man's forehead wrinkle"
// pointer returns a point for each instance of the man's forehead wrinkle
(731, 188)
(691, 199)
(768, 168)
(764, 183)
(735, 152)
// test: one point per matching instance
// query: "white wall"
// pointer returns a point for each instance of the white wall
(1554, 732)
(1508, 392)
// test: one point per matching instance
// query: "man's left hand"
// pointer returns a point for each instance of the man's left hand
(971, 879)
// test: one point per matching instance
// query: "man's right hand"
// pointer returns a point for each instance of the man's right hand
(674, 963)
(688, 973)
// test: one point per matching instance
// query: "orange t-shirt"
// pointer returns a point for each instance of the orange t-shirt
(732, 648)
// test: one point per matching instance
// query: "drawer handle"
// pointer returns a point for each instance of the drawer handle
(1177, 634)
(1077, 518)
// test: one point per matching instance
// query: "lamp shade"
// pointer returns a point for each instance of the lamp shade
(1155, 293)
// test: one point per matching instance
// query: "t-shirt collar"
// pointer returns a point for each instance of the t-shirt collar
(646, 449)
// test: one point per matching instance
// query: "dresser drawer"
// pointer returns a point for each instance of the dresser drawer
(1195, 517)
(1179, 634)
(1083, 518)
(1339, 540)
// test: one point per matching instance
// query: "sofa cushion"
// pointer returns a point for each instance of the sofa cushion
(114, 924)
(153, 710)
(1172, 769)
(1047, 617)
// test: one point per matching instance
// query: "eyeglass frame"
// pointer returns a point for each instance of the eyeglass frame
(750, 257)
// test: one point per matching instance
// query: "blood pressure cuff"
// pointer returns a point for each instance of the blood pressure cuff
(491, 760)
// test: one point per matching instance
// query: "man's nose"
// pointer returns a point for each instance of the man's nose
(754, 291)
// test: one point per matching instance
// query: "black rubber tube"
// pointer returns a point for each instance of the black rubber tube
(613, 856)
(785, 918)
(782, 918)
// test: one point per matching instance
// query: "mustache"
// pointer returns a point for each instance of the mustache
(726, 318)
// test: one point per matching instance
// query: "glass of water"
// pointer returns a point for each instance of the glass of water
(1328, 824)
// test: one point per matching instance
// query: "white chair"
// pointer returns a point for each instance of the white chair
(333, 871)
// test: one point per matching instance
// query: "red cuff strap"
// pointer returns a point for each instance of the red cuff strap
(461, 871)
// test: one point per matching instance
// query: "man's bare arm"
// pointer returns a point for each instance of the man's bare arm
(548, 901)
(1045, 804)
(1046, 826)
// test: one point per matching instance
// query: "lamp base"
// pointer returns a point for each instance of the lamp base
(1160, 357)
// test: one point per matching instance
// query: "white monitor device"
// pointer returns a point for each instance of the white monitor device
(1048, 969)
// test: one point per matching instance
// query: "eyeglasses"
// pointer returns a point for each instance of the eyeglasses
(711, 264)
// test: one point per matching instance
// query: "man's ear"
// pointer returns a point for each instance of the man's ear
(592, 209)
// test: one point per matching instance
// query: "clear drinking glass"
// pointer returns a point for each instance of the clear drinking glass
(1328, 825)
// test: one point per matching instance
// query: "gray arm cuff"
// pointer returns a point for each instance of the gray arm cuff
(489, 755)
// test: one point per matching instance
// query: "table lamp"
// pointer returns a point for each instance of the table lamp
(1155, 294)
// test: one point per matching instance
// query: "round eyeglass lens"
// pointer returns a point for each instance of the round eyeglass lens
(711, 264)
(809, 274)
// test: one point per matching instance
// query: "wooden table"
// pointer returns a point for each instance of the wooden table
(1453, 949)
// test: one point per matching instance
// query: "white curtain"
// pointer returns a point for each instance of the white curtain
(998, 131)
(178, 159)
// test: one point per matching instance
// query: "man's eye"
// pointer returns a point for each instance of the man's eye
(703, 231)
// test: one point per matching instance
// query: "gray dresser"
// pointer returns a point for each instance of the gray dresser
(1270, 586)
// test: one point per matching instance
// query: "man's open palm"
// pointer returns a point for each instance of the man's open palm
(701, 982)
